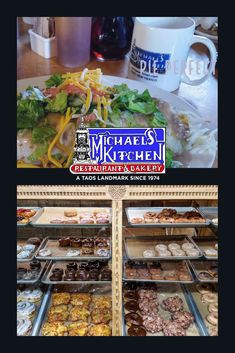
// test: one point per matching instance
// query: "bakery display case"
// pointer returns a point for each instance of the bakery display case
(118, 260)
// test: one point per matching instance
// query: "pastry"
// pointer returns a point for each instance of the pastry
(212, 318)
(213, 330)
(131, 295)
(45, 252)
(102, 302)
(216, 246)
(23, 254)
(85, 215)
(70, 275)
(25, 308)
(178, 253)
(160, 247)
(64, 241)
(213, 308)
(56, 277)
(209, 298)
(137, 220)
(134, 330)
(24, 326)
(89, 220)
(204, 276)
(58, 313)
(57, 220)
(148, 253)
(57, 270)
(147, 306)
(100, 330)
(131, 305)
(75, 243)
(102, 220)
(80, 299)
(211, 252)
(29, 247)
(73, 253)
(173, 246)
(164, 253)
(32, 295)
(70, 213)
(82, 275)
(54, 329)
(78, 329)
(106, 275)
(101, 316)
(147, 293)
(88, 246)
(35, 264)
(153, 323)
(70, 220)
(173, 304)
(79, 313)
(184, 276)
(34, 240)
(19, 249)
(143, 274)
(72, 265)
(157, 276)
(170, 276)
(193, 252)
(183, 318)
(133, 319)
(204, 288)
(187, 246)
(60, 298)
(171, 328)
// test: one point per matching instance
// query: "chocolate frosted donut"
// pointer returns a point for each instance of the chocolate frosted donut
(64, 241)
(82, 275)
(133, 318)
(58, 270)
(34, 241)
(35, 264)
(75, 243)
(72, 265)
(106, 275)
(132, 305)
(136, 331)
(131, 295)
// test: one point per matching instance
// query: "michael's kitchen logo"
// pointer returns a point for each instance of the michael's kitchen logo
(106, 150)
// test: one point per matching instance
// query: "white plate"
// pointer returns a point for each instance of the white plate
(195, 161)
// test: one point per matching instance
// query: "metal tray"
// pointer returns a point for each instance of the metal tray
(167, 290)
(209, 213)
(167, 266)
(44, 264)
(135, 245)
(199, 266)
(31, 218)
(132, 212)
(53, 242)
(200, 307)
(204, 243)
(39, 307)
(88, 288)
(22, 241)
(62, 264)
(46, 213)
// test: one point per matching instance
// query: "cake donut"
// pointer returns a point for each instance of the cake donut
(212, 318)
(213, 308)
(23, 327)
(209, 298)
(32, 295)
(132, 295)
(26, 308)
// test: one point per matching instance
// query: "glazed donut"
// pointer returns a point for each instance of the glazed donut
(187, 246)
(133, 318)
(23, 327)
(213, 330)
(137, 220)
(136, 331)
(26, 308)
(164, 253)
(148, 253)
(44, 252)
(160, 247)
(173, 246)
(32, 295)
(213, 308)
(212, 318)
(204, 288)
(192, 252)
(178, 253)
(209, 298)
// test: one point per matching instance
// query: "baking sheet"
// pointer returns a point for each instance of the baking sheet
(98, 290)
(23, 241)
(133, 212)
(62, 264)
(135, 246)
(167, 290)
(201, 307)
(205, 243)
(26, 265)
(201, 266)
(31, 218)
(59, 252)
(209, 213)
(45, 215)
(166, 266)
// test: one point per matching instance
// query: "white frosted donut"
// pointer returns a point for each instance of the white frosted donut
(209, 298)
(23, 327)
(72, 253)
(23, 254)
(164, 253)
(19, 248)
(213, 308)
(45, 252)
(29, 247)
(148, 253)
(212, 318)
(187, 246)
(211, 252)
(25, 308)
(160, 247)
(178, 252)
(173, 246)
(192, 252)
(32, 295)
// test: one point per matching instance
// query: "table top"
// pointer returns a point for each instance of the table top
(203, 98)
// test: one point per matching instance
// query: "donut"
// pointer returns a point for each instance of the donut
(147, 306)
(216, 246)
(192, 252)
(147, 293)
(131, 295)
(153, 323)
(34, 240)
(44, 252)
(70, 213)
(131, 305)
(184, 277)
(23, 254)
(134, 330)
(160, 247)
(87, 220)
(173, 246)
(183, 318)
(35, 264)
(148, 253)
(23, 327)
(102, 220)
(178, 253)
(211, 252)
(157, 276)
(204, 288)
(29, 247)
(25, 308)
(19, 249)
(164, 253)
(73, 253)
(171, 328)
(212, 318)
(32, 295)
(204, 275)
(150, 215)
(173, 304)
(137, 220)
(213, 308)
(209, 298)
(213, 330)
(133, 318)
(187, 246)
(170, 276)
(102, 252)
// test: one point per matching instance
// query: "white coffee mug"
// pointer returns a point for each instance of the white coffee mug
(159, 51)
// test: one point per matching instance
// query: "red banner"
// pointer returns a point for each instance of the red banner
(117, 168)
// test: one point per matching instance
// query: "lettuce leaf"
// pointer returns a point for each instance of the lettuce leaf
(39, 152)
(57, 104)
(29, 112)
(42, 134)
(54, 81)
(169, 157)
